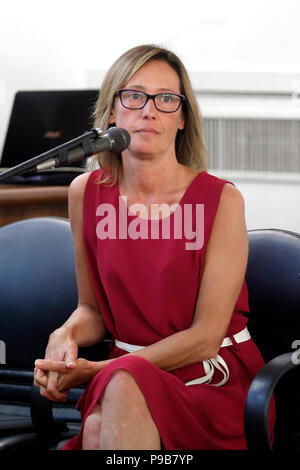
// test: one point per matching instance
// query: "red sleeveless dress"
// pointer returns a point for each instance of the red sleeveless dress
(146, 285)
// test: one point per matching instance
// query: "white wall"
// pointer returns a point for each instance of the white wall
(47, 45)
(271, 200)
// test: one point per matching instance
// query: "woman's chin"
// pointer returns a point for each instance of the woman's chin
(142, 151)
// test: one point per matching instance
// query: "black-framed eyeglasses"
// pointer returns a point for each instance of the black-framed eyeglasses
(136, 99)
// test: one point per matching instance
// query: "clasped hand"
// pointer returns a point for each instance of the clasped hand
(56, 378)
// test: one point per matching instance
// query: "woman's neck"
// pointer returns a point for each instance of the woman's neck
(147, 178)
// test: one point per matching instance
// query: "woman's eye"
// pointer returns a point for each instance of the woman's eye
(166, 98)
(135, 96)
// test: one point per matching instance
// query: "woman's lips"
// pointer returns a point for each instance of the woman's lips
(146, 131)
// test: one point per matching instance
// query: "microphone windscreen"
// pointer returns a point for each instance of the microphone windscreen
(119, 137)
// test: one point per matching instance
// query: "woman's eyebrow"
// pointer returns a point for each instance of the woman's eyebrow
(142, 88)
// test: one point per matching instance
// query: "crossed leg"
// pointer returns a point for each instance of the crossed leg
(123, 421)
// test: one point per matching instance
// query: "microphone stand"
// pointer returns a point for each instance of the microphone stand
(56, 156)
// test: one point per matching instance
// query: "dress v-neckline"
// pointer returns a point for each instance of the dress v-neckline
(162, 218)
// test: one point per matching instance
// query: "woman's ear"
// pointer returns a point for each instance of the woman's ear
(181, 123)
(111, 119)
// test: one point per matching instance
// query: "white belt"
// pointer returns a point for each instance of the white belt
(209, 365)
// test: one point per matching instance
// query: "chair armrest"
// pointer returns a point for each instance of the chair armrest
(258, 401)
(44, 425)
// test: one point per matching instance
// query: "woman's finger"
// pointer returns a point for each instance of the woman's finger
(57, 366)
(40, 378)
(71, 355)
(52, 386)
(61, 398)
(65, 383)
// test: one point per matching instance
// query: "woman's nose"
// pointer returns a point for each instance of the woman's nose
(149, 109)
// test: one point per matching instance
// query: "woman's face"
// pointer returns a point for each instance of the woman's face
(152, 132)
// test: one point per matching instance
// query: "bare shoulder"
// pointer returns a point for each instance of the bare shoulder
(229, 231)
(231, 198)
(230, 215)
(75, 198)
(77, 186)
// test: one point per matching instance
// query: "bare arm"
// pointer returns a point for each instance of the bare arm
(86, 323)
(85, 326)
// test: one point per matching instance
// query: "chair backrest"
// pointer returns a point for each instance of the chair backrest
(273, 281)
(37, 285)
(38, 289)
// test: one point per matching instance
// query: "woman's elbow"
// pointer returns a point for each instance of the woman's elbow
(205, 346)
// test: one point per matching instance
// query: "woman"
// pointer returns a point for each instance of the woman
(182, 362)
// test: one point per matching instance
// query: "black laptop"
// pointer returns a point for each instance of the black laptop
(40, 121)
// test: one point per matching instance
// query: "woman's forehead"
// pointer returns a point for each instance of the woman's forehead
(157, 75)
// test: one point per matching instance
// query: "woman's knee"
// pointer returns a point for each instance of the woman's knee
(122, 390)
(92, 428)
(121, 384)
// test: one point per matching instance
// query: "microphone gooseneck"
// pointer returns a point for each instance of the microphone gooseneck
(115, 139)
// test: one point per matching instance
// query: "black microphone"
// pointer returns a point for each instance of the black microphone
(115, 139)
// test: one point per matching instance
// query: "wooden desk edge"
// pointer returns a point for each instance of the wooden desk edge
(15, 195)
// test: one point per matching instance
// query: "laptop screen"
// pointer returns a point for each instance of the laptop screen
(42, 120)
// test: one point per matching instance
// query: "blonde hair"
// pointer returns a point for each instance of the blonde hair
(189, 144)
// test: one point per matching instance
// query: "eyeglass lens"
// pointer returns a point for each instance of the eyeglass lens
(168, 102)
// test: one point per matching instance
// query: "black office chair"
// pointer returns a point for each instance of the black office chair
(38, 292)
(273, 280)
